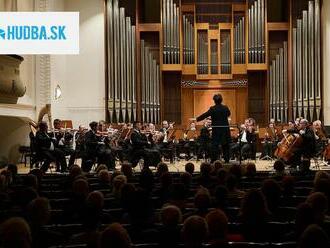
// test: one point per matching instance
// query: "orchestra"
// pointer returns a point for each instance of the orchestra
(106, 143)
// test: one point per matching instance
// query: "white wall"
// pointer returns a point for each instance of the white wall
(326, 59)
(81, 77)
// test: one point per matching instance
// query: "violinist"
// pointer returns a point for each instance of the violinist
(165, 146)
(46, 148)
(189, 142)
(320, 136)
(141, 148)
(204, 139)
(64, 141)
(271, 140)
(95, 148)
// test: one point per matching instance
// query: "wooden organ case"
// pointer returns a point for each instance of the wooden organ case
(166, 58)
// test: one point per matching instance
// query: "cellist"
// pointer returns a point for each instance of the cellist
(307, 148)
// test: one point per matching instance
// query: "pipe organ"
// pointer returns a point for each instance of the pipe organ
(121, 64)
(153, 46)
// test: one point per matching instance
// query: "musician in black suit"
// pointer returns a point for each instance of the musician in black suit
(141, 148)
(308, 147)
(204, 140)
(96, 149)
(46, 149)
(220, 131)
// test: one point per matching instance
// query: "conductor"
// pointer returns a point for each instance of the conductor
(220, 127)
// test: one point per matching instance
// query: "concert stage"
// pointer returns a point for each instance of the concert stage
(178, 166)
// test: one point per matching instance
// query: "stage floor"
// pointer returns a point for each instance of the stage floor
(178, 166)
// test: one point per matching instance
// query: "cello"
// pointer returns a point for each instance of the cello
(288, 145)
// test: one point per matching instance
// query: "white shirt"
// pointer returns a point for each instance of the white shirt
(243, 139)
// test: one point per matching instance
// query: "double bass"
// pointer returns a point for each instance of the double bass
(287, 147)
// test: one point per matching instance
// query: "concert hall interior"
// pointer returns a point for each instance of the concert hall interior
(207, 106)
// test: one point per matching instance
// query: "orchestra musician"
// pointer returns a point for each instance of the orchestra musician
(64, 140)
(189, 142)
(307, 147)
(320, 137)
(219, 114)
(96, 149)
(141, 147)
(46, 148)
(246, 146)
(204, 140)
(165, 146)
(271, 140)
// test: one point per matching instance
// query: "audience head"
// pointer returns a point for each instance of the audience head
(288, 184)
(189, 167)
(319, 203)
(251, 169)
(304, 217)
(279, 166)
(126, 169)
(314, 237)
(104, 177)
(31, 181)
(194, 231)
(202, 199)
(206, 169)
(217, 222)
(320, 175)
(115, 236)
(39, 211)
(222, 176)
(15, 232)
(74, 171)
(100, 168)
(236, 170)
(171, 216)
(161, 169)
(80, 188)
(217, 164)
(118, 183)
(126, 195)
(272, 192)
(13, 169)
(95, 200)
(254, 206)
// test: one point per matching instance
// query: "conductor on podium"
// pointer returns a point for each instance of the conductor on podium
(219, 114)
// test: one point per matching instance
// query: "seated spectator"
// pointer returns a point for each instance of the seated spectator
(105, 179)
(272, 192)
(146, 179)
(185, 179)
(222, 177)
(288, 185)
(15, 232)
(178, 195)
(161, 169)
(279, 168)
(233, 191)
(115, 236)
(251, 170)
(236, 170)
(319, 203)
(189, 167)
(169, 233)
(322, 185)
(217, 165)
(320, 175)
(39, 215)
(205, 179)
(221, 197)
(100, 168)
(166, 181)
(194, 232)
(254, 216)
(314, 237)
(117, 184)
(202, 202)
(126, 169)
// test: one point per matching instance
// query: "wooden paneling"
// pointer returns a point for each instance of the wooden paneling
(241, 105)
(150, 27)
(187, 104)
(172, 96)
(277, 26)
(203, 99)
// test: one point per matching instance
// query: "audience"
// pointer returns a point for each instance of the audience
(82, 208)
